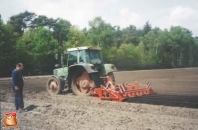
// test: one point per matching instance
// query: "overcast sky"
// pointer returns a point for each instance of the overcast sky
(160, 13)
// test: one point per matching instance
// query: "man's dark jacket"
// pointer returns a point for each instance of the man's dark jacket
(17, 79)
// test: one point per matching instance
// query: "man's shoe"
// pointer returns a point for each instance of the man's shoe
(19, 110)
(22, 110)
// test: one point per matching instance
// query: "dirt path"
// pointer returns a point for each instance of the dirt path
(72, 112)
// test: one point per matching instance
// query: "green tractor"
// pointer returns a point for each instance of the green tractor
(81, 69)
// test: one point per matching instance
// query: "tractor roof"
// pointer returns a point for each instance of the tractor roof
(83, 48)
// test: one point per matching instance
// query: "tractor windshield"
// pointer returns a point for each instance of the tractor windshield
(94, 56)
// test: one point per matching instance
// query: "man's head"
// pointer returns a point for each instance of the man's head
(19, 66)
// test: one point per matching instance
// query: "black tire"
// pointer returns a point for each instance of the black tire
(112, 76)
(74, 87)
(50, 86)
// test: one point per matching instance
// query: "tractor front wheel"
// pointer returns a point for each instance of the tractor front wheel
(53, 86)
(81, 83)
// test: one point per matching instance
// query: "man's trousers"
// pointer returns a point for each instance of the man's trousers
(18, 98)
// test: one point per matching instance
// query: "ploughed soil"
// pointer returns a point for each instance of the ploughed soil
(174, 106)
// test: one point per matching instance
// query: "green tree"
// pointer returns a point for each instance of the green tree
(118, 36)
(181, 43)
(195, 52)
(128, 56)
(85, 31)
(129, 35)
(147, 28)
(61, 30)
(151, 41)
(165, 49)
(76, 38)
(8, 39)
(39, 48)
(43, 21)
(21, 21)
(101, 33)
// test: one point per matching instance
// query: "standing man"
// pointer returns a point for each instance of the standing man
(17, 86)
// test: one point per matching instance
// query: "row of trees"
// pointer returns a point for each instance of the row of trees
(34, 39)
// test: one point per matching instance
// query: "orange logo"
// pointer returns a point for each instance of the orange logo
(10, 120)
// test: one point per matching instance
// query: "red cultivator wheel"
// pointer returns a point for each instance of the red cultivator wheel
(81, 84)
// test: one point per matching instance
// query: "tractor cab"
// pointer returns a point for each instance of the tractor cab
(88, 55)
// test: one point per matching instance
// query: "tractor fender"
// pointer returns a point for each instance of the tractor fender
(109, 68)
(71, 70)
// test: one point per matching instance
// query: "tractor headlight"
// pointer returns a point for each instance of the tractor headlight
(55, 72)
(113, 68)
(93, 67)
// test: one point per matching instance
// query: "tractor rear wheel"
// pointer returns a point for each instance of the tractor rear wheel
(81, 83)
(53, 86)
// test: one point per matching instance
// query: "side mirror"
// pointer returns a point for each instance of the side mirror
(56, 56)
(57, 65)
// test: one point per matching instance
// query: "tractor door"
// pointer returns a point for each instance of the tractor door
(72, 58)
(64, 62)
(82, 56)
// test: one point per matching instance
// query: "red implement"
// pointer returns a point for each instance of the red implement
(121, 92)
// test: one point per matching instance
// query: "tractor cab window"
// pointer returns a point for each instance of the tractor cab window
(65, 58)
(94, 56)
(82, 56)
(72, 57)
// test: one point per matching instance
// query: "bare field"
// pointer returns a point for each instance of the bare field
(175, 106)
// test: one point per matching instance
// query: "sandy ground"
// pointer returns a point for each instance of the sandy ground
(175, 106)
